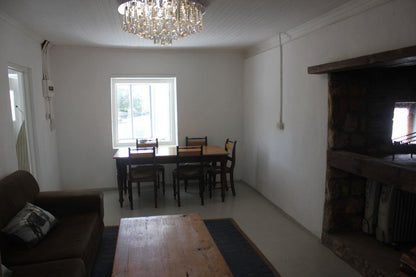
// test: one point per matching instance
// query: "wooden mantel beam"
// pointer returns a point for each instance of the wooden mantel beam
(394, 58)
(388, 173)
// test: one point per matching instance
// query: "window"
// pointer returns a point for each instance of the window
(404, 123)
(143, 108)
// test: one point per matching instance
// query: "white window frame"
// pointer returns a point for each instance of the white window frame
(172, 101)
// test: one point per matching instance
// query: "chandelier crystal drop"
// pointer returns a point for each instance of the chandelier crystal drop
(162, 20)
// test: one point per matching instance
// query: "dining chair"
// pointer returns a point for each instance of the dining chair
(160, 168)
(196, 141)
(214, 170)
(188, 171)
(145, 173)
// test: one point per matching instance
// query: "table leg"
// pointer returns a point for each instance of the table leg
(223, 178)
(121, 178)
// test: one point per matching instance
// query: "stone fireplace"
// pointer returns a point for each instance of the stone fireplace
(362, 96)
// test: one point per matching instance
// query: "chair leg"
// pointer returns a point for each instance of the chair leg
(210, 185)
(186, 185)
(155, 190)
(163, 181)
(178, 191)
(232, 182)
(125, 187)
(226, 182)
(201, 189)
(125, 184)
(214, 180)
(174, 185)
(130, 192)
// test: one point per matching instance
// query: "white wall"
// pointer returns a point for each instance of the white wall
(288, 167)
(209, 89)
(19, 48)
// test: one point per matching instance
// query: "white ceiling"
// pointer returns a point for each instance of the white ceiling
(228, 23)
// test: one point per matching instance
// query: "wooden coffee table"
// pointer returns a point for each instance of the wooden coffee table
(176, 245)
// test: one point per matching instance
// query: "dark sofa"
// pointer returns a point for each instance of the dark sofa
(70, 248)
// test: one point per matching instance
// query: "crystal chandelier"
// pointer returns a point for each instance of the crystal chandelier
(162, 20)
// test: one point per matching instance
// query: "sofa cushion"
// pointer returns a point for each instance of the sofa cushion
(61, 203)
(76, 236)
(30, 225)
(15, 190)
(62, 268)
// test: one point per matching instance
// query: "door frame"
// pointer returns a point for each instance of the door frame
(29, 115)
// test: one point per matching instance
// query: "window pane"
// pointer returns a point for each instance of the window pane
(161, 113)
(142, 124)
(123, 112)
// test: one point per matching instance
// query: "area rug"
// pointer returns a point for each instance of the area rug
(243, 258)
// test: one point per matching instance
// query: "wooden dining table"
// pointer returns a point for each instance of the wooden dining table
(167, 155)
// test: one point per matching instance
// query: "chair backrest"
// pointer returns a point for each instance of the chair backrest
(185, 154)
(196, 141)
(148, 154)
(147, 143)
(230, 148)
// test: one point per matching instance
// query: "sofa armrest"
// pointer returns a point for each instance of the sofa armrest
(61, 203)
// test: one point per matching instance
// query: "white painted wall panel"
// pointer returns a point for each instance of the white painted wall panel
(209, 89)
(288, 167)
(18, 48)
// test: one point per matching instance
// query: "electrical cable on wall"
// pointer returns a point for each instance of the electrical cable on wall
(280, 124)
(47, 85)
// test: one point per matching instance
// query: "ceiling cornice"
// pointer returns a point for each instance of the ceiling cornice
(343, 12)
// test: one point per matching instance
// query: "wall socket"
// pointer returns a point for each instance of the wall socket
(280, 125)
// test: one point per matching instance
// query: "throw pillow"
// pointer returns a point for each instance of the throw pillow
(30, 225)
(5, 271)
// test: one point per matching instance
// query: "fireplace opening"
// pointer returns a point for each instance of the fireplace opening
(370, 190)
(370, 204)
(404, 129)
(404, 122)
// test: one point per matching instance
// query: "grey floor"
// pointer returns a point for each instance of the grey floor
(290, 248)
